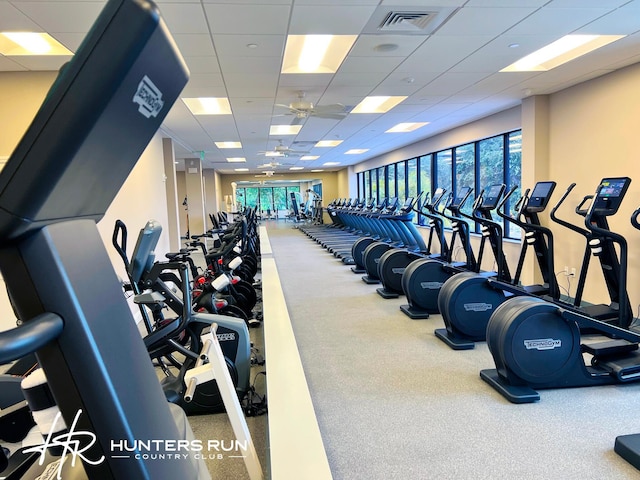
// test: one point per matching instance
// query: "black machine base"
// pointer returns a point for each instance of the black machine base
(384, 293)
(370, 280)
(357, 269)
(515, 394)
(348, 261)
(628, 447)
(413, 312)
(455, 343)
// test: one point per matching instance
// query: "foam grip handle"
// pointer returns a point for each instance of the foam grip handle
(43, 407)
(220, 282)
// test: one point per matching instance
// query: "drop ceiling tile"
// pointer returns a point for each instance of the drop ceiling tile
(557, 21)
(301, 81)
(42, 63)
(623, 21)
(355, 79)
(194, 45)
(364, 65)
(441, 52)
(259, 84)
(422, 3)
(250, 65)
(586, 3)
(505, 3)
(323, 19)
(70, 40)
(8, 65)
(483, 21)
(184, 18)
(62, 16)
(366, 44)
(251, 2)
(202, 64)
(247, 19)
(246, 106)
(265, 45)
(13, 19)
(451, 83)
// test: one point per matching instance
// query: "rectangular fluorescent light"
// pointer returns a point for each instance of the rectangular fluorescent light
(208, 105)
(317, 170)
(296, 168)
(236, 159)
(30, 43)
(328, 143)
(331, 164)
(356, 151)
(309, 157)
(377, 104)
(315, 53)
(240, 169)
(273, 154)
(284, 129)
(561, 51)
(406, 127)
(228, 144)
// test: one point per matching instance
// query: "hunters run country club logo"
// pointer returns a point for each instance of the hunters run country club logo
(74, 445)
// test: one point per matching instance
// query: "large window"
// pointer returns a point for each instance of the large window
(476, 164)
(382, 191)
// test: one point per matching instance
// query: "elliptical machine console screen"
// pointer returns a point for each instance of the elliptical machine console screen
(437, 196)
(491, 199)
(611, 191)
(540, 196)
(462, 193)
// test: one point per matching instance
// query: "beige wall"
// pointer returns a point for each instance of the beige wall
(594, 134)
(141, 198)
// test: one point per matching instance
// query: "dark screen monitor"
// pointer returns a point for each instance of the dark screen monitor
(98, 117)
(540, 196)
(143, 253)
(437, 196)
(492, 196)
(609, 195)
(463, 192)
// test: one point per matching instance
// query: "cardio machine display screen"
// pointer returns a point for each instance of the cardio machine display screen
(610, 193)
(462, 193)
(492, 197)
(437, 196)
(540, 196)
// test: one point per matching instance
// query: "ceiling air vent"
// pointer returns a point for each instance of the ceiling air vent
(407, 21)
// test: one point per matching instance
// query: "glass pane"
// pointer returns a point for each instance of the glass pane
(515, 176)
(492, 164)
(466, 174)
(391, 180)
(374, 184)
(425, 181)
(367, 185)
(443, 170)
(400, 186)
(251, 197)
(240, 197)
(412, 177)
(381, 181)
(266, 200)
(280, 198)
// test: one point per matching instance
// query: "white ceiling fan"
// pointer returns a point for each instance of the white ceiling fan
(281, 150)
(302, 109)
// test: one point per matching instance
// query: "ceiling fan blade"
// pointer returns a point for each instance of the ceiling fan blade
(298, 120)
(332, 116)
(333, 108)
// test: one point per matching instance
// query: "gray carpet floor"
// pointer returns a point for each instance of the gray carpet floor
(394, 402)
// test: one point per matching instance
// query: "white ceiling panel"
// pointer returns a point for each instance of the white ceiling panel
(300, 81)
(41, 63)
(483, 21)
(362, 65)
(557, 21)
(366, 44)
(586, 3)
(202, 65)
(244, 106)
(441, 52)
(323, 19)
(422, 3)
(356, 79)
(451, 83)
(8, 65)
(250, 65)
(62, 16)
(195, 45)
(261, 45)
(13, 19)
(505, 3)
(623, 21)
(257, 85)
(256, 18)
(184, 18)
(69, 39)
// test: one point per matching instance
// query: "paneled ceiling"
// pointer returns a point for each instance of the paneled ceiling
(451, 76)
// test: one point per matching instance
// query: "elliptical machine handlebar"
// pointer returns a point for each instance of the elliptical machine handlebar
(564, 223)
(634, 218)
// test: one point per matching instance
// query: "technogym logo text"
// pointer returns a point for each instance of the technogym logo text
(178, 449)
(542, 344)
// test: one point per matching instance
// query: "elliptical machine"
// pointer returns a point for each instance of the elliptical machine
(466, 301)
(537, 344)
(423, 278)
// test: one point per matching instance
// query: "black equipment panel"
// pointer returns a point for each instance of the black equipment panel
(540, 196)
(609, 195)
